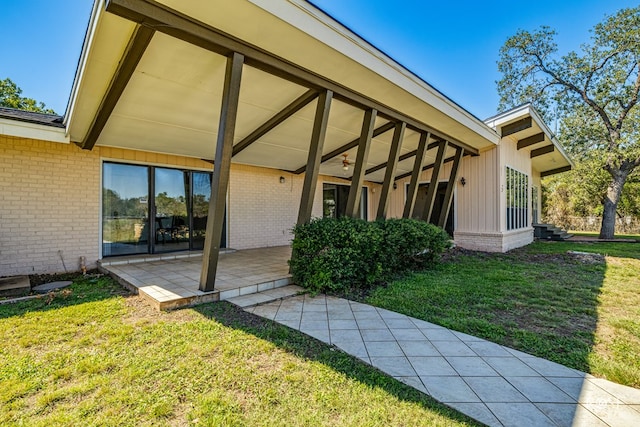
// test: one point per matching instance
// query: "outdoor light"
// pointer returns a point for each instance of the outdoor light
(463, 181)
(395, 185)
(282, 180)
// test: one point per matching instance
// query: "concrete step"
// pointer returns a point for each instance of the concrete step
(15, 286)
(263, 297)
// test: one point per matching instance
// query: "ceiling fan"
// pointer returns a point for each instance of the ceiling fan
(346, 162)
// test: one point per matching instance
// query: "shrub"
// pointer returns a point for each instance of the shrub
(346, 253)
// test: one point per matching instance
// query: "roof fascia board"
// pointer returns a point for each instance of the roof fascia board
(23, 129)
(94, 22)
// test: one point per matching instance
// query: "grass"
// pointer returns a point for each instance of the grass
(596, 234)
(580, 311)
(95, 356)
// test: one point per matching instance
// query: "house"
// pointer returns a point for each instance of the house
(208, 124)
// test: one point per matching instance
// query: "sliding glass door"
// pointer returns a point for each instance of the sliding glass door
(125, 209)
(147, 209)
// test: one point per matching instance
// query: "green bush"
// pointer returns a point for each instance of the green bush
(346, 253)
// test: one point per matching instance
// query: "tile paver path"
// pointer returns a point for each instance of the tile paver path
(493, 384)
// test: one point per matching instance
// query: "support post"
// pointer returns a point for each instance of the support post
(451, 185)
(415, 176)
(433, 185)
(390, 172)
(355, 191)
(220, 179)
(315, 155)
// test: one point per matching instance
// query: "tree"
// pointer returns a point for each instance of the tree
(10, 96)
(598, 88)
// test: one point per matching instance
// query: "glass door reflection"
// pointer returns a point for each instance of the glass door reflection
(171, 225)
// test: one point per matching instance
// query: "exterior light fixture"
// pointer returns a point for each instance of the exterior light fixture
(282, 180)
(463, 181)
(395, 185)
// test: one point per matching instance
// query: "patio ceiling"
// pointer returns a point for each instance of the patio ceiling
(158, 87)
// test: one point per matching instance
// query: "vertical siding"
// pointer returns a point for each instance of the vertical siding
(519, 160)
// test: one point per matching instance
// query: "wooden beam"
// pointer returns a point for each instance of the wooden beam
(555, 171)
(433, 185)
(348, 146)
(534, 139)
(220, 179)
(171, 22)
(138, 43)
(288, 111)
(394, 153)
(405, 156)
(542, 150)
(415, 176)
(425, 168)
(451, 185)
(315, 155)
(355, 191)
(514, 127)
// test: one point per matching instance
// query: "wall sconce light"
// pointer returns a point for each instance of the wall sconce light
(395, 185)
(463, 181)
(282, 180)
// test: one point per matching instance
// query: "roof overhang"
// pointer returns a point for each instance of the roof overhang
(524, 125)
(151, 74)
(31, 125)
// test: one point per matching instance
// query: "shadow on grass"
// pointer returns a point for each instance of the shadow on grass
(83, 290)
(309, 348)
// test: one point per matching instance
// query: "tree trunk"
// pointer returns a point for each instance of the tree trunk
(614, 190)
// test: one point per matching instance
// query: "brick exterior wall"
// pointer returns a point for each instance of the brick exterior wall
(50, 203)
(49, 206)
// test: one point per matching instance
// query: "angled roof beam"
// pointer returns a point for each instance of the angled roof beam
(274, 121)
(451, 184)
(315, 152)
(514, 127)
(364, 146)
(127, 66)
(555, 171)
(394, 153)
(543, 150)
(425, 168)
(534, 139)
(412, 192)
(405, 156)
(348, 146)
(220, 177)
(171, 22)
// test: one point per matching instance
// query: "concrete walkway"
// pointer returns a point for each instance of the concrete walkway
(493, 384)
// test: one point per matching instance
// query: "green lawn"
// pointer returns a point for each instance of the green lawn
(596, 234)
(583, 312)
(94, 356)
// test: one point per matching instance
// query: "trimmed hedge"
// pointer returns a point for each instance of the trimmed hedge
(346, 253)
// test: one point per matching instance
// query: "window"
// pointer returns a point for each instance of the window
(148, 209)
(517, 199)
(334, 201)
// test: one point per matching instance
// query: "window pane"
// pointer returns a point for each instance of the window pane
(125, 209)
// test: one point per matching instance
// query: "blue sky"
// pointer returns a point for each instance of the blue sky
(453, 45)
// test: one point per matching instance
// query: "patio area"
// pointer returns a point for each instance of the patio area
(171, 280)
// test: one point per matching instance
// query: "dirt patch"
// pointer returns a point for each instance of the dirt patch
(586, 257)
(39, 279)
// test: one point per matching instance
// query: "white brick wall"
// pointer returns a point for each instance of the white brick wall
(49, 207)
(493, 242)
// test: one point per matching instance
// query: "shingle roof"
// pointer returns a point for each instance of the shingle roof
(52, 120)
